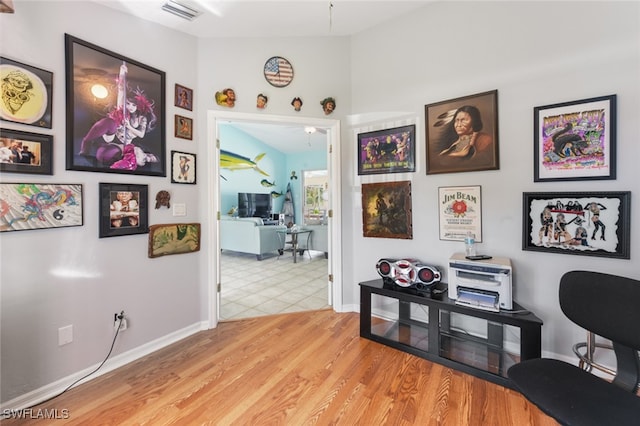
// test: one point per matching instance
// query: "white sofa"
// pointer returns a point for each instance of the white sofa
(249, 235)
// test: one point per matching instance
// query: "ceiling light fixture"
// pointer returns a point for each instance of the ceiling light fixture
(181, 10)
(309, 130)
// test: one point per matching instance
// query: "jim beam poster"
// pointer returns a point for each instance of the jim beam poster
(460, 211)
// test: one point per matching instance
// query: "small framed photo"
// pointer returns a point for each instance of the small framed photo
(32, 90)
(184, 97)
(183, 167)
(174, 238)
(460, 210)
(585, 223)
(387, 151)
(575, 140)
(123, 209)
(462, 134)
(24, 152)
(386, 210)
(28, 206)
(184, 127)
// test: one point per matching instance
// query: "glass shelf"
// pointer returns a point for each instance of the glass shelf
(474, 341)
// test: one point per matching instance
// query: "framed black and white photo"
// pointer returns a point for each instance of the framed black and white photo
(115, 112)
(585, 223)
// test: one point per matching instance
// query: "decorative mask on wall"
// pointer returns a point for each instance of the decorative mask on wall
(226, 98)
(163, 199)
(328, 105)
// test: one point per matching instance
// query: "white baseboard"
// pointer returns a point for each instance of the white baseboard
(349, 308)
(52, 389)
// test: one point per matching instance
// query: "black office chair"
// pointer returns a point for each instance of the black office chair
(609, 306)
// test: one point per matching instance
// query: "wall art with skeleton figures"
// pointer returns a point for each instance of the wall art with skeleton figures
(587, 223)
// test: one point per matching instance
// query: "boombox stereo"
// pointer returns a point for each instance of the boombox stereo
(408, 273)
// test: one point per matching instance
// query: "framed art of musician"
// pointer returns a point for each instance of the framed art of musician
(387, 151)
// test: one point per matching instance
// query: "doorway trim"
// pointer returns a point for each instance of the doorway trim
(213, 206)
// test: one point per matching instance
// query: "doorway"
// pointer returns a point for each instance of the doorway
(332, 129)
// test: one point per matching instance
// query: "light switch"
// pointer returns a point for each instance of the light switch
(179, 209)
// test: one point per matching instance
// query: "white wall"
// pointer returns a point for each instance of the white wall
(321, 67)
(58, 277)
(533, 53)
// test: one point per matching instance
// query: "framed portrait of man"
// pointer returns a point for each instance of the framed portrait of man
(462, 134)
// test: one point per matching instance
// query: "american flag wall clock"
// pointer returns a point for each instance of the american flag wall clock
(278, 71)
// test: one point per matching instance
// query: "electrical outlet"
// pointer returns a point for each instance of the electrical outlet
(119, 321)
(123, 325)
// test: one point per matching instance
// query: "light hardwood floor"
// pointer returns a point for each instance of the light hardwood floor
(308, 368)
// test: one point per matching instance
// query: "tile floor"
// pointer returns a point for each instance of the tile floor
(252, 288)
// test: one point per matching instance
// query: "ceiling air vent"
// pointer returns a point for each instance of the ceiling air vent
(181, 10)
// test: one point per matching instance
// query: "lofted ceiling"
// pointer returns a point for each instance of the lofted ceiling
(268, 18)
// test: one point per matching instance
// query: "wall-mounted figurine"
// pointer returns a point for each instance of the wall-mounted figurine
(261, 101)
(163, 198)
(226, 98)
(297, 103)
(328, 105)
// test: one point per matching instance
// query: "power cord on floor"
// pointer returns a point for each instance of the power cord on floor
(121, 318)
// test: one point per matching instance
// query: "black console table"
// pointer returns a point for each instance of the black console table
(482, 343)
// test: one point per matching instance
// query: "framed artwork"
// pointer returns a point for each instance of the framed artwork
(123, 209)
(586, 223)
(174, 238)
(25, 206)
(387, 151)
(460, 211)
(183, 167)
(24, 152)
(575, 140)
(184, 127)
(462, 134)
(184, 97)
(386, 210)
(27, 94)
(115, 112)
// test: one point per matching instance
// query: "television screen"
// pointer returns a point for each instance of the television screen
(254, 205)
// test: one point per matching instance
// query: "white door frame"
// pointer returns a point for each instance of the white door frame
(213, 209)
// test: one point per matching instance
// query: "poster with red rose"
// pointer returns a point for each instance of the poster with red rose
(460, 210)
